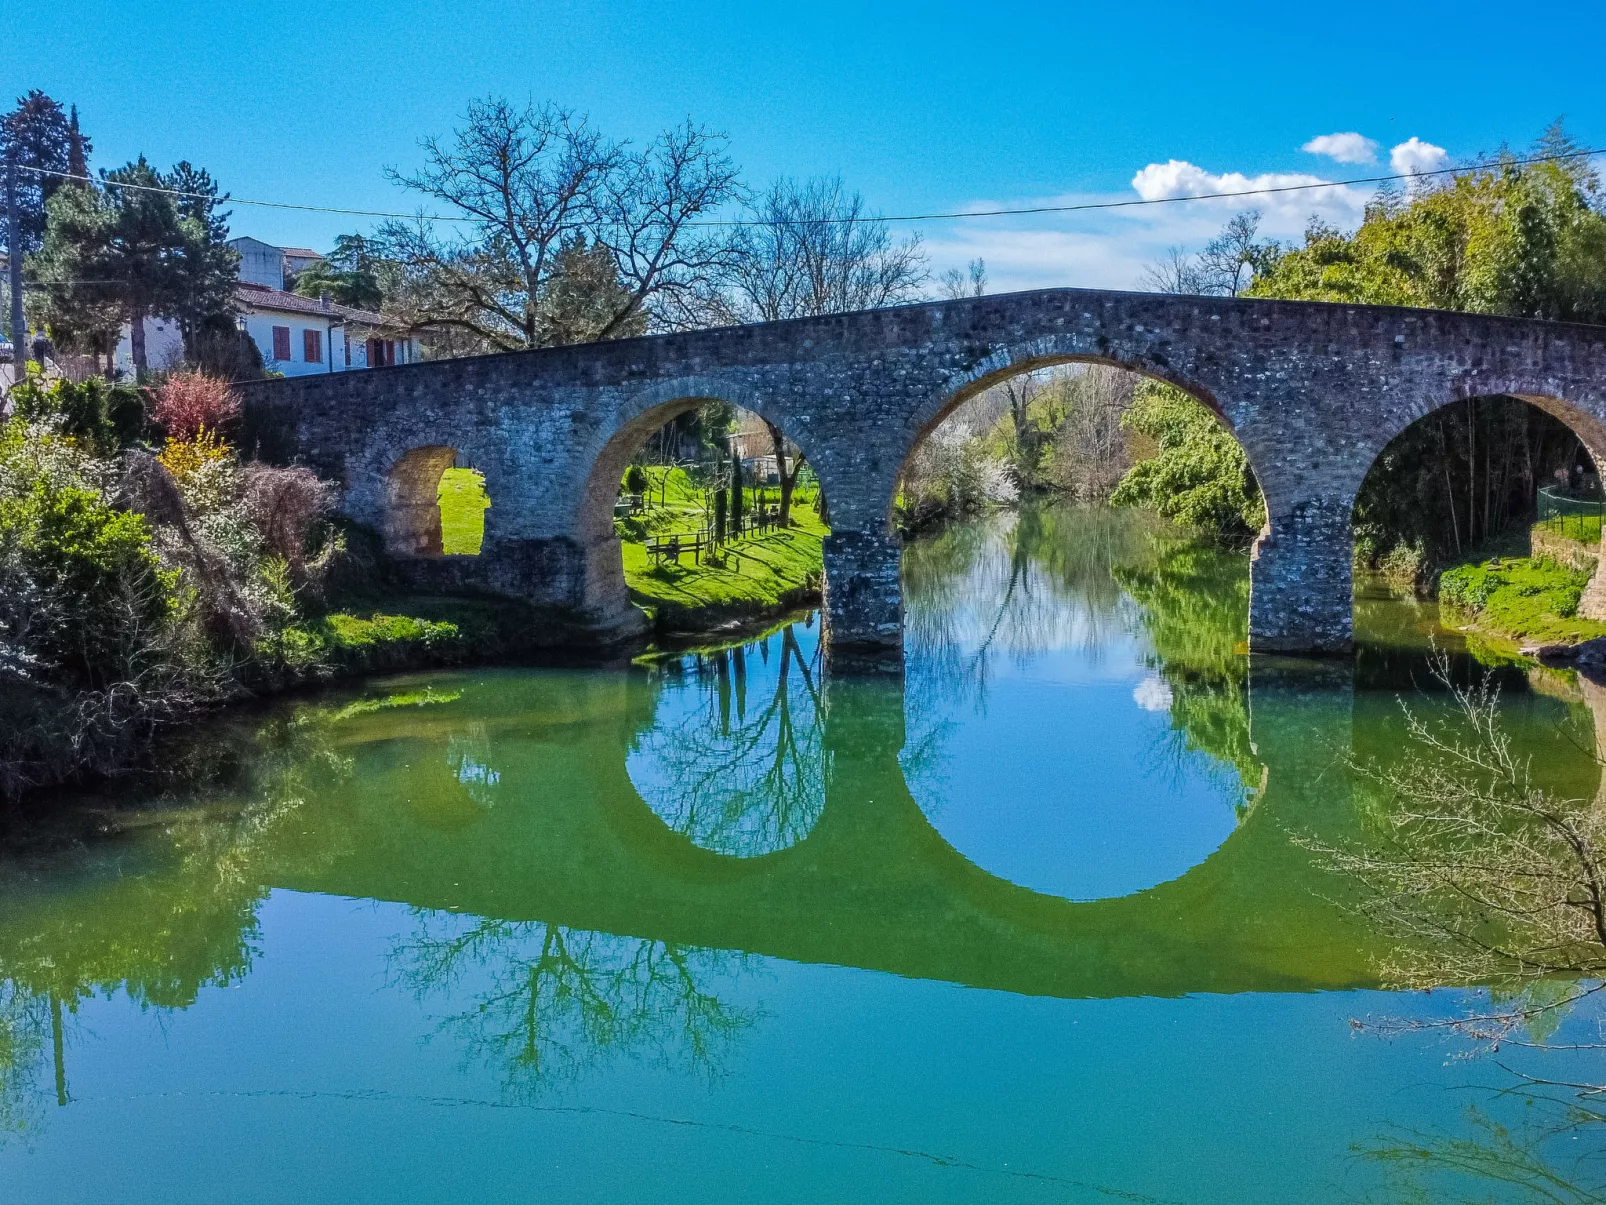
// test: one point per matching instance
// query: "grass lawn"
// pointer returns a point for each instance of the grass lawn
(463, 505)
(763, 572)
(1584, 528)
(409, 631)
(1528, 600)
(760, 572)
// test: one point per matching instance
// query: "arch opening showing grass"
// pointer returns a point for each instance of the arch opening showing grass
(463, 502)
(1450, 506)
(719, 517)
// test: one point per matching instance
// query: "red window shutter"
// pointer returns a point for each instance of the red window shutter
(281, 343)
(312, 346)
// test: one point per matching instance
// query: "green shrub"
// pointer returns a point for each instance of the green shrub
(100, 416)
(1468, 586)
(1199, 474)
(84, 585)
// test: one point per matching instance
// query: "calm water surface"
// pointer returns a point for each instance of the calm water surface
(1024, 925)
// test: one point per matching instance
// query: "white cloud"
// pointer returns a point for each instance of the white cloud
(1179, 178)
(1113, 248)
(1345, 148)
(1417, 156)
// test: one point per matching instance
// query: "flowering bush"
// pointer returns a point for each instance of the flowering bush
(186, 457)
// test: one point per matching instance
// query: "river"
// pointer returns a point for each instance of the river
(1024, 924)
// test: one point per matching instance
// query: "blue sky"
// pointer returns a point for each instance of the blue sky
(932, 106)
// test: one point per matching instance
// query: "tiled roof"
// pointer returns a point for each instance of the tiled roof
(260, 297)
(301, 253)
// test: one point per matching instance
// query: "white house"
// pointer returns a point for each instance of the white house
(164, 346)
(296, 335)
(302, 335)
(260, 263)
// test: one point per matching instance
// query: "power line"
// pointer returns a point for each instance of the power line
(911, 217)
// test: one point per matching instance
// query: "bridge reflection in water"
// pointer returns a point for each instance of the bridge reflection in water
(742, 800)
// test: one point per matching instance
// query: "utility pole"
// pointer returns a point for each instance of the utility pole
(19, 329)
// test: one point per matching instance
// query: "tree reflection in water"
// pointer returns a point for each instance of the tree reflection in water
(558, 1001)
(1016, 585)
(1553, 1156)
(736, 759)
(157, 934)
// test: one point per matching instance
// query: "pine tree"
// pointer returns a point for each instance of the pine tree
(80, 309)
(129, 250)
(205, 271)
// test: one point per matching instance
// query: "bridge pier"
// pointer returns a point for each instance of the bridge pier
(1301, 596)
(863, 603)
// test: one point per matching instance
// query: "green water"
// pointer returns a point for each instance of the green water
(1022, 925)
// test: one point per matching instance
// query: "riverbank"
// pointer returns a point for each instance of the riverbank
(1524, 591)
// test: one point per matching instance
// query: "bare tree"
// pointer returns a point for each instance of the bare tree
(809, 248)
(1483, 877)
(745, 781)
(1090, 448)
(1225, 268)
(971, 281)
(569, 236)
(1175, 272)
(1231, 259)
(552, 1002)
(647, 216)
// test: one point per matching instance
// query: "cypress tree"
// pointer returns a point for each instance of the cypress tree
(736, 497)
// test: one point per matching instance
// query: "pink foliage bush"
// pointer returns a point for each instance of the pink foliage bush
(192, 401)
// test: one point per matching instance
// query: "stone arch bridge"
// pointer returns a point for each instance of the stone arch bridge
(1313, 392)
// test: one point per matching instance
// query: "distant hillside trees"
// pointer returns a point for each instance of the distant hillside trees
(1526, 240)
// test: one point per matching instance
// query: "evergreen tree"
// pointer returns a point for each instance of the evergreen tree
(736, 502)
(582, 296)
(352, 274)
(204, 272)
(40, 135)
(82, 309)
(129, 250)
